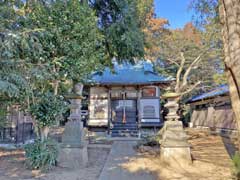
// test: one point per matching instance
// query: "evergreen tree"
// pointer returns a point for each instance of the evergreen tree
(120, 24)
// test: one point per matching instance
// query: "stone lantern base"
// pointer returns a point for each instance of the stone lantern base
(174, 145)
(73, 153)
(73, 157)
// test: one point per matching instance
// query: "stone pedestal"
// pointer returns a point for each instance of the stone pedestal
(73, 134)
(73, 157)
(174, 146)
(73, 153)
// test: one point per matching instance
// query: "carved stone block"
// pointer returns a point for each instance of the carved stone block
(174, 145)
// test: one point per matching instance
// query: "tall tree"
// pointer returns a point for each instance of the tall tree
(227, 11)
(187, 55)
(13, 84)
(47, 43)
(153, 28)
(72, 43)
(119, 22)
(55, 41)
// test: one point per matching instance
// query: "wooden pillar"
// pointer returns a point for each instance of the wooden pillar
(109, 110)
(138, 106)
(160, 105)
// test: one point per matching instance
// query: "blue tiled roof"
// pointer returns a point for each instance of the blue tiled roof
(126, 73)
(221, 90)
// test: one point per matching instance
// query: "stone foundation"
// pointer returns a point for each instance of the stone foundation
(177, 155)
(174, 145)
(73, 153)
(73, 157)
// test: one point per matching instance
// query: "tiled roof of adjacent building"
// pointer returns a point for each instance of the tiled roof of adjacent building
(219, 91)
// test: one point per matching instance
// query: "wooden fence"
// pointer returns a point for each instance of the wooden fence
(220, 117)
(19, 127)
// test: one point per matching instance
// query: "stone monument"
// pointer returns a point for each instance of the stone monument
(73, 153)
(174, 145)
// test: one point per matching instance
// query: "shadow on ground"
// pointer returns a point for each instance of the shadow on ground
(211, 161)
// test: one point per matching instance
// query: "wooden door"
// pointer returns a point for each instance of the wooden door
(124, 107)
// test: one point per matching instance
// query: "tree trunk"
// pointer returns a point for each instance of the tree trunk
(44, 133)
(55, 87)
(229, 11)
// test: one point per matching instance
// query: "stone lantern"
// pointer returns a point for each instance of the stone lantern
(172, 105)
(174, 145)
(73, 153)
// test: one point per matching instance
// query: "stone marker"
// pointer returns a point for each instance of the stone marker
(174, 145)
(73, 153)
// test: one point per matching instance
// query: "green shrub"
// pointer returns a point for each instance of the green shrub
(150, 140)
(236, 163)
(41, 154)
(48, 109)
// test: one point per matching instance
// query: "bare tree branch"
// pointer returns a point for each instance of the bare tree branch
(186, 74)
(192, 88)
(172, 61)
(178, 76)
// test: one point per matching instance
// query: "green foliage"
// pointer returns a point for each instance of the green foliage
(69, 36)
(13, 84)
(120, 24)
(150, 140)
(41, 154)
(3, 115)
(186, 114)
(207, 18)
(205, 11)
(48, 109)
(236, 163)
(220, 78)
(45, 44)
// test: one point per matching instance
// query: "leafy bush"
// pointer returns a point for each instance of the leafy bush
(41, 154)
(3, 115)
(48, 109)
(150, 140)
(186, 114)
(236, 163)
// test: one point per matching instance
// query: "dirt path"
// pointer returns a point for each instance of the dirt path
(114, 169)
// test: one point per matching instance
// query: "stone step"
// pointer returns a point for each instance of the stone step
(124, 134)
(124, 130)
(118, 136)
(121, 122)
(126, 125)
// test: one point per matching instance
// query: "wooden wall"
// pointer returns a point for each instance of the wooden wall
(214, 117)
